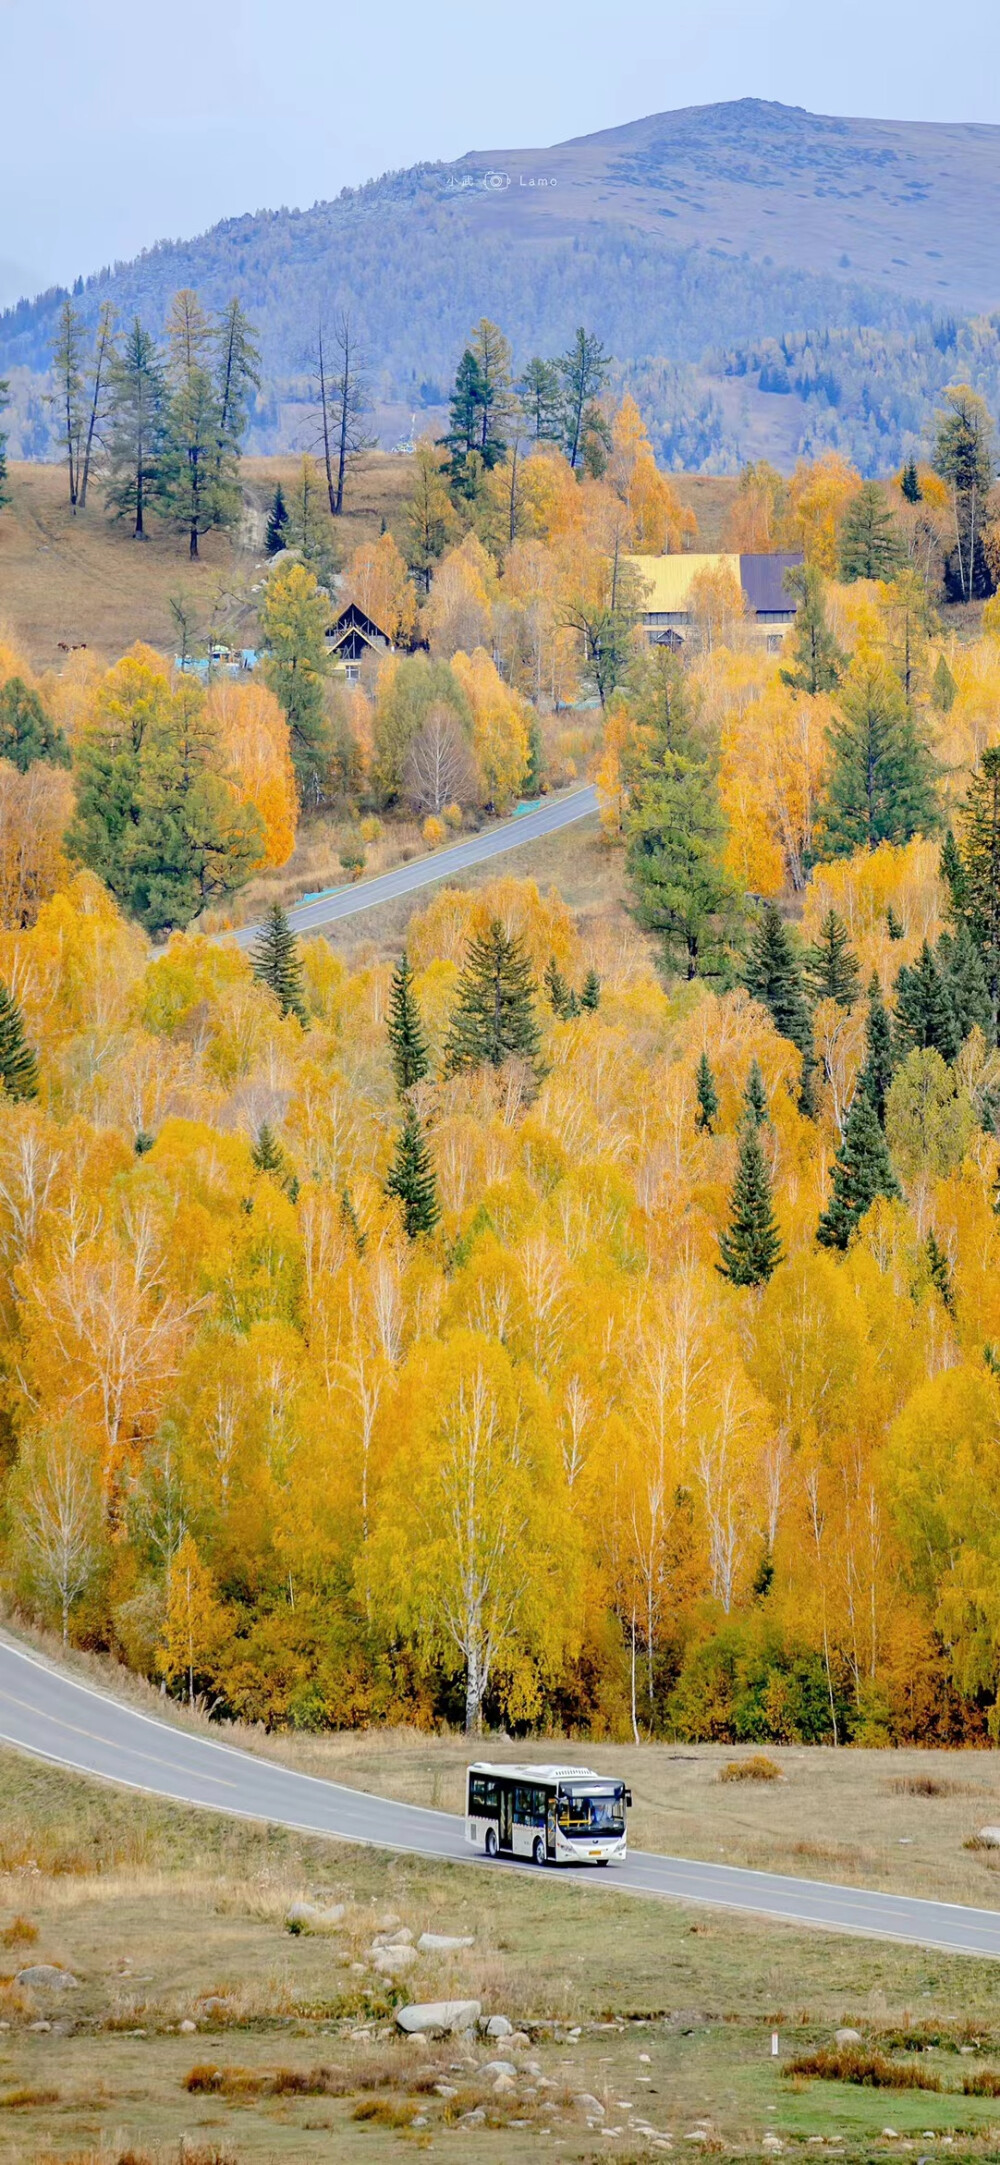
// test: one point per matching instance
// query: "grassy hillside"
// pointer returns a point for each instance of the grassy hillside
(201, 2028)
(68, 580)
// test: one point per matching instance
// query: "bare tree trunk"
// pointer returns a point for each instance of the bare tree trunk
(324, 406)
(102, 344)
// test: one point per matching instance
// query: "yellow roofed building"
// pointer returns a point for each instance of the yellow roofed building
(668, 602)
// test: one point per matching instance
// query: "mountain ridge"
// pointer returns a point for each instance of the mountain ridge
(683, 238)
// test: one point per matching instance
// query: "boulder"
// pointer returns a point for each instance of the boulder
(991, 1837)
(497, 2026)
(589, 2104)
(313, 1917)
(45, 1977)
(390, 1960)
(439, 1943)
(503, 2085)
(498, 2067)
(848, 2037)
(442, 2016)
(402, 1938)
(187, 2026)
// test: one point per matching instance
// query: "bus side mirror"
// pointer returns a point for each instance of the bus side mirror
(628, 1800)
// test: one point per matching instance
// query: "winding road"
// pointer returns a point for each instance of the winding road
(52, 1716)
(549, 817)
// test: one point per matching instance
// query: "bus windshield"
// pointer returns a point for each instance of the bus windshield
(592, 1810)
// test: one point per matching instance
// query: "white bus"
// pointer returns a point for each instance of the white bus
(552, 1815)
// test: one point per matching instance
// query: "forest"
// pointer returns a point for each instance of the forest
(583, 1325)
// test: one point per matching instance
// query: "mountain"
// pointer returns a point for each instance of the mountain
(704, 246)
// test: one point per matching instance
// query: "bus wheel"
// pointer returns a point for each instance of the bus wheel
(491, 1841)
(538, 1852)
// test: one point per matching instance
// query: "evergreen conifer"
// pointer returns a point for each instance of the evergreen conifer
(276, 962)
(590, 997)
(925, 1018)
(977, 900)
(961, 966)
(870, 543)
(943, 687)
(950, 868)
(493, 1019)
(755, 1103)
(557, 989)
(892, 924)
(882, 780)
(26, 733)
(277, 522)
(877, 1072)
(408, 1046)
(773, 974)
(817, 659)
(832, 969)
(18, 1067)
(862, 1170)
(349, 1218)
(939, 1270)
(707, 1110)
(910, 483)
(412, 1178)
(266, 1151)
(750, 1246)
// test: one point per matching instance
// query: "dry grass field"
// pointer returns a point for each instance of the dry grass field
(68, 580)
(202, 2029)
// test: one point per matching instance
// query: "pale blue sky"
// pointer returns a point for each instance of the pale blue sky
(123, 122)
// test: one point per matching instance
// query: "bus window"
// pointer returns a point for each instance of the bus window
(583, 1812)
(529, 1806)
(482, 1797)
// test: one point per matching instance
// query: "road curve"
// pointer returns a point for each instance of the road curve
(52, 1716)
(548, 818)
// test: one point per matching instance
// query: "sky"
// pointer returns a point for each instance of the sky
(122, 123)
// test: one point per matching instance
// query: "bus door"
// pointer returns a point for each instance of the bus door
(550, 1825)
(506, 1815)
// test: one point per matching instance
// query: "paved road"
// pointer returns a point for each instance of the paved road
(549, 818)
(47, 1713)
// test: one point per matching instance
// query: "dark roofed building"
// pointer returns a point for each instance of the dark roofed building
(763, 581)
(352, 635)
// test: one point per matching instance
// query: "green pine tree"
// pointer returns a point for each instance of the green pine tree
(557, 989)
(266, 1151)
(590, 997)
(892, 924)
(773, 975)
(349, 1218)
(817, 660)
(976, 899)
(676, 837)
(882, 781)
(18, 1067)
(493, 1018)
(408, 1046)
(750, 1247)
(961, 967)
(832, 970)
(939, 1271)
(293, 618)
(706, 1096)
(950, 869)
(870, 543)
(277, 963)
(944, 689)
(862, 1170)
(755, 1105)
(135, 443)
(277, 521)
(412, 1179)
(925, 1018)
(879, 1064)
(909, 483)
(26, 733)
